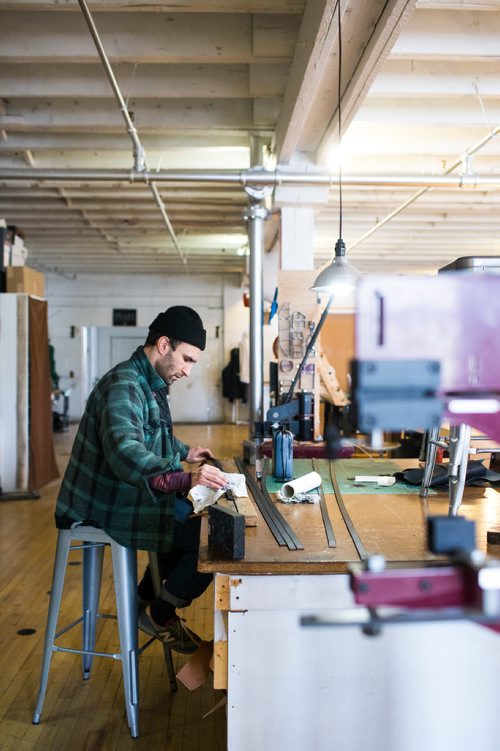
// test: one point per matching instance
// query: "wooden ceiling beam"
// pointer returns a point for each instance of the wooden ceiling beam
(42, 37)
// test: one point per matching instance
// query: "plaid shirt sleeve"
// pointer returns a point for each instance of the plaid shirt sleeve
(132, 446)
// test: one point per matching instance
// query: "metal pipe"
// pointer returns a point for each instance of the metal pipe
(256, 216)
(246, 178)
(168, 224)
(166, 219)
(139, 153)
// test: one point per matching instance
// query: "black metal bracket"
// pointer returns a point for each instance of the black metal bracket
(396, 394)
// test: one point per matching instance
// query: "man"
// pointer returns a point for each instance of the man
(125, 473)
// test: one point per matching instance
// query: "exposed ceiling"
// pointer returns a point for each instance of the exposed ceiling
(216, 85)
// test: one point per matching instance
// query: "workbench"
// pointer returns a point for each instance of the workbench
(431, 686)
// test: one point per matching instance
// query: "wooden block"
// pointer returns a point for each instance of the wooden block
(220, 664)
(222, 592)
(330, 381)
(243, 506)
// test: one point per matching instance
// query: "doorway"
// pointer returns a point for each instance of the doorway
(192, 400)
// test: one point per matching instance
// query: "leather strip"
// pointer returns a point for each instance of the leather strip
(282, 532)
(291, 539)
(330, 535)
(345, 515)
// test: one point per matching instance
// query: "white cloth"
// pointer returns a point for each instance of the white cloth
(201, 496)
(299, 497)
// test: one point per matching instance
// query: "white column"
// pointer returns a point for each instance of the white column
(256, 216)
(298, 206)
(297, 233)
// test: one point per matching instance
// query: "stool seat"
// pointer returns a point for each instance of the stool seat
(124, 560)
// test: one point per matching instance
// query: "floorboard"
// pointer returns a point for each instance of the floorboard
(89, 715)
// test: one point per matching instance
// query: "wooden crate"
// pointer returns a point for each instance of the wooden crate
(24, 279)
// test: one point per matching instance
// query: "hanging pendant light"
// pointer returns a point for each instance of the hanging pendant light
(340, 276)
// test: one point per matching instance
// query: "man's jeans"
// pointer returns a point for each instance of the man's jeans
(179, 567)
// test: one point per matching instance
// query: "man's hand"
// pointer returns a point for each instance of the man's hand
(198, 454)
(209, 476)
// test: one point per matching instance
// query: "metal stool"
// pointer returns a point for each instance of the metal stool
(458, 446)
(125, 582)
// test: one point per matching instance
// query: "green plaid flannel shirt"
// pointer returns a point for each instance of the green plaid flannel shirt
(122, 442)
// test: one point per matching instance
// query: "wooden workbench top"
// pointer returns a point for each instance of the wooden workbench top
(391, 524)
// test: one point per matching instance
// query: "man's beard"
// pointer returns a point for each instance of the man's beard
(165, 368)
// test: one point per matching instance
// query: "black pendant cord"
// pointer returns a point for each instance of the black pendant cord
(291, 538)
(330, 535)
(339, 99)
(280, 529)
(345, 515)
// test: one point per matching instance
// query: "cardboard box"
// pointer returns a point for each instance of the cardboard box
(25, 279)
(19, 255)
(12, 249)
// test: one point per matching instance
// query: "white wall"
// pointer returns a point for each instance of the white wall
(88, 301)
(8, 392)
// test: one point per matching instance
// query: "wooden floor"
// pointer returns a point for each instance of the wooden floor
(90, 714)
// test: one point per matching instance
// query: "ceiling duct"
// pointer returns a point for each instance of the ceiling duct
(273, 178)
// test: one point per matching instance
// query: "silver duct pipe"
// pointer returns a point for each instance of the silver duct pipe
(256, 216)
(139, 153)
(248, 178)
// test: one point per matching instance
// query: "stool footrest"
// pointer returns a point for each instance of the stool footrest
(87, 545)
(68, 627)
(80, 620)
(114, 655)
(146, 645)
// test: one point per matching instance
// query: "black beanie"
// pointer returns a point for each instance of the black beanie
(182, 323)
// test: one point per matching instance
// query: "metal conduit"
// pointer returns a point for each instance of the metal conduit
(139, 153)
(264, 178)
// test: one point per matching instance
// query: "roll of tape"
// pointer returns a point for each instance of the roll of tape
(301, 485)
